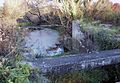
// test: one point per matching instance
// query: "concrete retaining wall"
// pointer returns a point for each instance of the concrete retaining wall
(77, 62)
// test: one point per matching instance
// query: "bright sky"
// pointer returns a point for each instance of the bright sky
(114, 1)
(1, 2)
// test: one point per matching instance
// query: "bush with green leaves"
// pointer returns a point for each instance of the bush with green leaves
(18, 74)
(12, 71)
(11, 38)
(83, 76)
(105, 40)
(103, 36)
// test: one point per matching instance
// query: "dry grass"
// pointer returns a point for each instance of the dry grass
(14, 9)
(56, 12)
(10, 39)
(10, 35)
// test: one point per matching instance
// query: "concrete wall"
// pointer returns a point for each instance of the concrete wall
(61, 65)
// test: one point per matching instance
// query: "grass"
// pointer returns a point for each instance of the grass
(24, 24)
(83, 76)
(11, 72)
(103, 36)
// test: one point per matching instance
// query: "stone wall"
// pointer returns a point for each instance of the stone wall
(61, 65)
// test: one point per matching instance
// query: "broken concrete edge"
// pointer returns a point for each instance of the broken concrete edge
(39, 26)
(76, 62)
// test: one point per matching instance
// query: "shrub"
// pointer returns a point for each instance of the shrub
(68, 8)
(13, 9)
(103, 10)
(10, 40)
(72, 8)
(17, 74)
(104, 37)
(87, 76)
(10, 35)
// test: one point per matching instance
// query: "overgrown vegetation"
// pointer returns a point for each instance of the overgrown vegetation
(60, 13)
(103, 36)
(11, 71)
(103, 10)
(87, 76)
(16, 74)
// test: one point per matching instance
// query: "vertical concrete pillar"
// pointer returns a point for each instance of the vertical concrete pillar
(77, 37)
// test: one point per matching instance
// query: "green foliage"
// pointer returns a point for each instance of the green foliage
(103, 36)
(18, 74)
(93, 76)
(24, 24)
(105, 40)
(85, 76)
(11, 71)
